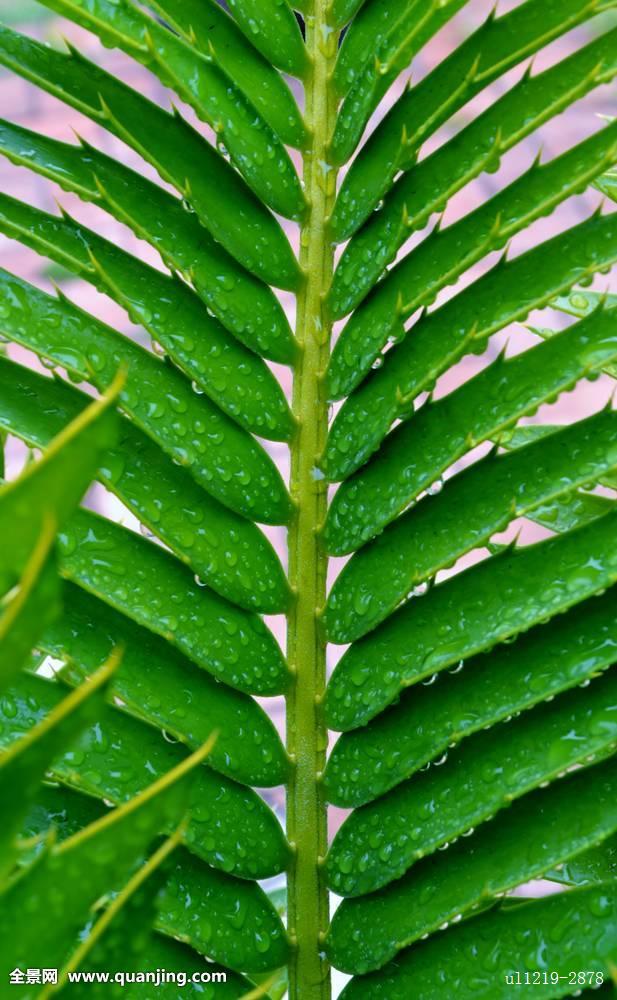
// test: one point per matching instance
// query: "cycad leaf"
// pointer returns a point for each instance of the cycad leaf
(461, 326)
(417, 453)
(273, 29)
(36, 603)
(224, 550)
(380, 320)
(344, 10)
(571, 931)
(31, 509)
(220, 456)
(115, 758)
(252, 313)
(61, 808)
(380, 43)
(158, 592)
(68, 812)
(152, 673)
(488, 53)
(485, 774)
(489, 603)
(199, 80)
(594, 866)
(212, 33)
(226, 206)
(571, 649)
(253, 146)
(124, 926)
(446, 254)
(150, 952)
(48, 491)
(476, 505)
(582, 303)
(454, 809)
(24, 763)
(377, 27)
(230, 920)
(366, 933)
(151, 297)
(573, 511)
(608, 185)
(477, 148)
(71, 877)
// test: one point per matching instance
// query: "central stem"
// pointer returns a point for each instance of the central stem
(307, 734)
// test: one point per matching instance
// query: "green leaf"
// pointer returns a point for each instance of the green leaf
(520, 437)
(162, 953)
(411, 284)
(344, 10)
(496, 47)
(211, 32)
(508, 635)
(570, 650)
(61, 808)
(600, 301)
(380, 44)
(443, 257)
(24, 763)
(201, 82)
(237, 471)
(124, 927)
(153, 588)
(253, 147)
(117, 757)
(572, 931)
(182, 157)
(224, 550)
(252, 313)
(489, 603)
(162, 303)
(608, 185)
(48, 490)
(69, 811)
(573, 511)
(231, 921)
(149, 679)
(272, 28)
(594, 866)
(376, 29)
(34, 606)
(545, 828)
(460, 327)
(418, 452)
(582, 303)
(484, 775)
(45, 908)
(475, 505)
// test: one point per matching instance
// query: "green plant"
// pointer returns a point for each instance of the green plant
(187, 464)
(100, 875)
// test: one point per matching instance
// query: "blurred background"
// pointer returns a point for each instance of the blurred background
(25, 104)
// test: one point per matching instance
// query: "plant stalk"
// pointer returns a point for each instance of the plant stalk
(307, 735)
